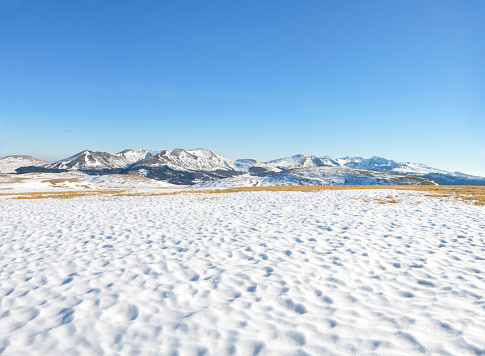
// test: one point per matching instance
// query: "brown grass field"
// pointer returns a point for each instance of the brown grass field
(472, 194)
(62, 180)
(10, 178)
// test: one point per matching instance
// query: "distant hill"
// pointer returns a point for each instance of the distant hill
(9, 164)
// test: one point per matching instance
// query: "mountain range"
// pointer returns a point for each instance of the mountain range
(204, 167)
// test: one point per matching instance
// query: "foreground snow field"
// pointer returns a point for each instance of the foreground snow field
(252, 273)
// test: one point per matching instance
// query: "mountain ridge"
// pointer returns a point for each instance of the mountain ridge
(200, 165)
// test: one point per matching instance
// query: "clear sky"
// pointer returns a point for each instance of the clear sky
(259, 79)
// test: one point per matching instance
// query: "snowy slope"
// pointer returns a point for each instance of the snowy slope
(10, 163)
(125, 181)
(321, 176)
(243, 180)
(301, 161)
(261, 273)
(340, 176)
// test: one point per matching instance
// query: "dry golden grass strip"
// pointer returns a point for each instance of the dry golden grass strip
(473, 194)
(80, 193)
(62, 180)
(62, 195)
(10, 178)
(386, 200)
(290, 188)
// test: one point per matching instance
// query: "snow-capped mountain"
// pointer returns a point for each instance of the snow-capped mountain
(9, 164)
(415, 169)
(152, 163)
(201, 159)
(191, 166)
(380, 164)
(196, 166)
(95, 161)
(177, 166)
(196, 160)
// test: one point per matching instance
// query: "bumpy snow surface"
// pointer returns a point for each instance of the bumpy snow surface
(259, 273)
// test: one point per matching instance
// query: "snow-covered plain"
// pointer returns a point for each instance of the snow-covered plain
(250, 273)
(75, 180)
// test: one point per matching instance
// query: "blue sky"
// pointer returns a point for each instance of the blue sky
(261, 79)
